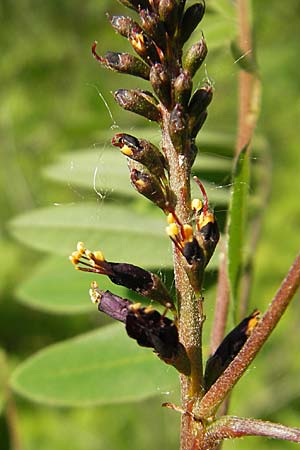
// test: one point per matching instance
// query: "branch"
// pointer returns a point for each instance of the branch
(231, 427)
(217, 393)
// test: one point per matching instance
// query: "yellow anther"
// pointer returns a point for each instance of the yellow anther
(148, 309)
(99, 255)
(126, 150)
(252, 322)
(138, 42)
(89, 254)
(94, 285)
(171, 218)
(95, 296)
(197, 204)
(140, 183)
(188, 232)
(172, 230)
(80, 248)
(73, 259)
(135, 307)
(204, 219)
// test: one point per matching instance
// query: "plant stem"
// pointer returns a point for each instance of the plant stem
(261, 332)
(249, 85)
(190, 308)
(222, 303)
(231, 427)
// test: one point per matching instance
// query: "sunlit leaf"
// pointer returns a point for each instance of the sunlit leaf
(121, 232)
(236, 228)
(102, 367)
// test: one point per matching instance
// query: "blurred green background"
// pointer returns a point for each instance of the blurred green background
(51, 103)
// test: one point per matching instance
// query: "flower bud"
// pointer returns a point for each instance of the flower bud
(150, 187)
(122, 24)
(154, 28)
(123, 63)
(229, 348)
(114, 306)
(195, 57)
(178, 128)
(207, 233)
(151, 329)
(197, 109)
(191, 19)
(160, 81)
(183, 88)
(143, 45)
(168, 13)
(138, 101)
(146, 325)
(143, 152)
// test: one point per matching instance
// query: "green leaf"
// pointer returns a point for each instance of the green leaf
(54, 286)
(101, 367)
(236, 226)
(121, 232)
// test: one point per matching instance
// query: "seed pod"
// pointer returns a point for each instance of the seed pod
(178, 128)
(160, 81)
(143, 152)
(191, 19)
(150, 187)
(229, 348)
(123, 63)
(138, 101)
(168, 13)
(195, 57)
(183, 88)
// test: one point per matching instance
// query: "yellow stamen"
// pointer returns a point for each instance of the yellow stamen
(197, 204)
(148, 309)
(172, 230)
(95, 295)
(135, 307)
(99, 255)
(126, 150)
(80, 248)
(188, 232)
(205, 219)
(252, 322)
(171, 218)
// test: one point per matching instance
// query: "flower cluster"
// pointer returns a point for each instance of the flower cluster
(158, 41)
(197, 246)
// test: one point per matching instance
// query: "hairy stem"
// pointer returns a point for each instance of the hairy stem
(218, 392)
(231, 427)
(190, 308)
